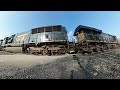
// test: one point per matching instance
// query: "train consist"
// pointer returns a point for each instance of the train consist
(93, 40)
(49, 40)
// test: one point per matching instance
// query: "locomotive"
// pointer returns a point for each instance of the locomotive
(93, 40)
(45, 40)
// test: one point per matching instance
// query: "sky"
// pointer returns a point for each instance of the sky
(13, 22)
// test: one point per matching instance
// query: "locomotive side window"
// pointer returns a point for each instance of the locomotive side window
(56, 28)
(40, 30)
(48, 29)
(87, 31)
(34, 31)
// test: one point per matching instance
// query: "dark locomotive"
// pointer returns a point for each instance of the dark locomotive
(93, 40)
(49, 40)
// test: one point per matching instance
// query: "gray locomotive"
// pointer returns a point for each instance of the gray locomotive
(42, 40)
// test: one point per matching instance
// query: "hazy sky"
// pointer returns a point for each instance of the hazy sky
(12, 22)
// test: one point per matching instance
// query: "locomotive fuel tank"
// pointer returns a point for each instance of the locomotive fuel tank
(13, 49)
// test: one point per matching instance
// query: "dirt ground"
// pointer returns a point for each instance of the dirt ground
(21, 66)
(102, 65)
(27, 60)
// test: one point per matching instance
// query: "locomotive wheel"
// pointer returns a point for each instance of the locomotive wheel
(23, 49)
(52, 53)
(4, 49)
(101, 49)
(30, 51)
(59, 52)
(44, 52)
(49, 52)
(96, 50)
(83, 52)
(90, 50)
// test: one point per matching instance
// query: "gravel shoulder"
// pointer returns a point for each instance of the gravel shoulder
(19, 66)
(28, 60)
(104, 65)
